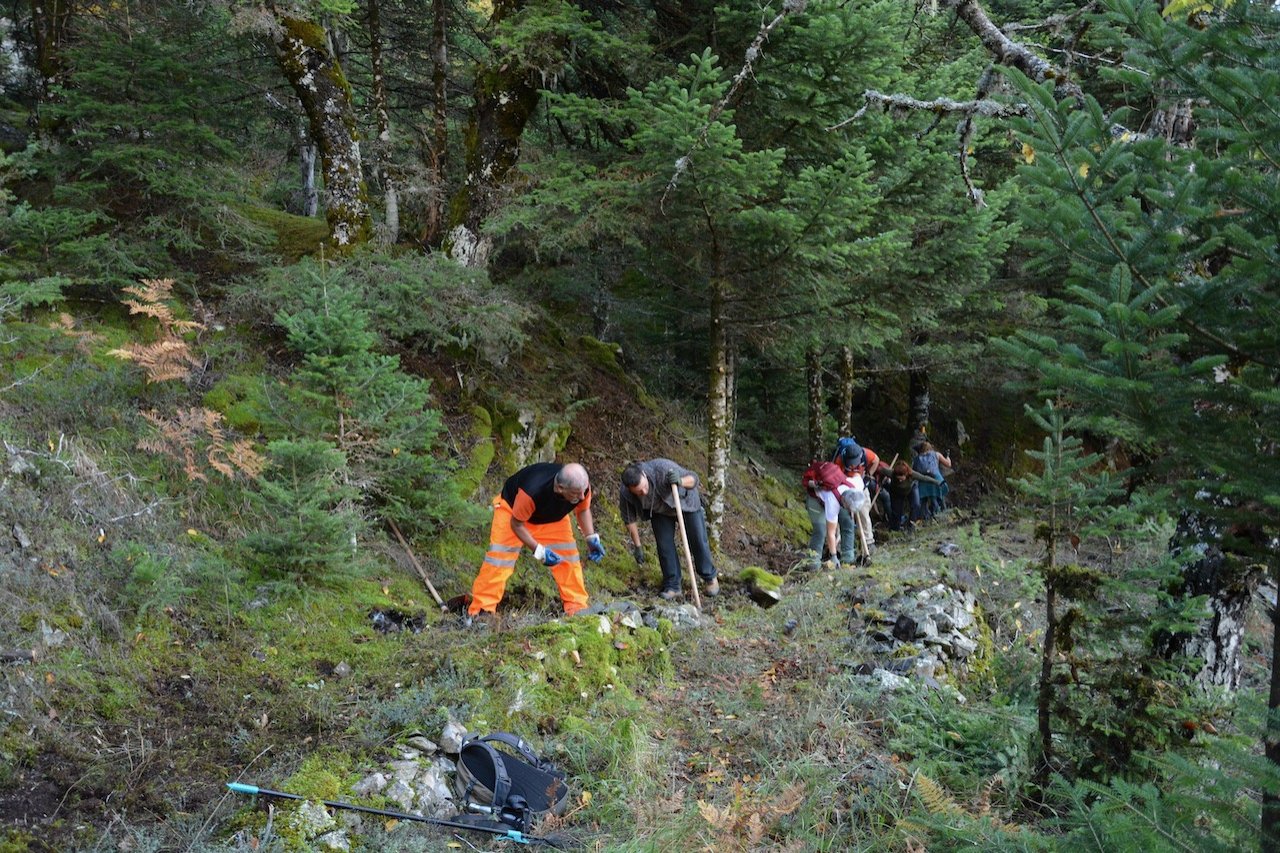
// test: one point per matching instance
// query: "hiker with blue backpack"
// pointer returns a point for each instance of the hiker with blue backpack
(933, 494)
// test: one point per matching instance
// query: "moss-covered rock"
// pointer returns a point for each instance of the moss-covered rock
(756, 576)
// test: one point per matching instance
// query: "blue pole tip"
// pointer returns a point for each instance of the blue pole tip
(241, 788)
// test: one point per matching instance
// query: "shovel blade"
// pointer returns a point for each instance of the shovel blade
(457, 604)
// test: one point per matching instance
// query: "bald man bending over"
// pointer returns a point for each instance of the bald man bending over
(533, 512)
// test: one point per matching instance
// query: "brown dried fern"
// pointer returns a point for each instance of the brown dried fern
(169, 357)
(190, 430)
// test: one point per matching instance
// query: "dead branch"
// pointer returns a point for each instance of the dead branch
(1012, 53)
(940, 106)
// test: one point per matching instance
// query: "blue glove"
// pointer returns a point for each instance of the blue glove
(595, 550)
(547, 556)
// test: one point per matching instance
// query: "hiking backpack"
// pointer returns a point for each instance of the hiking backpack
(848, 447)
(511, 784)
(827, 475)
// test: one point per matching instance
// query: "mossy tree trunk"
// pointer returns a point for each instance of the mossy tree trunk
(390, 231)
(304, 55)
(848, 377)
(506, 96)
(719, 406)
(813, 398)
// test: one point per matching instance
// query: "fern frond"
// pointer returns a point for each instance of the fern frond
(936, 800)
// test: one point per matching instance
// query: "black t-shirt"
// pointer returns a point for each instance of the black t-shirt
(531, 494)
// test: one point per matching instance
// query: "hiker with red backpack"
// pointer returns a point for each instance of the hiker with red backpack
(863, 467)
(831, 498)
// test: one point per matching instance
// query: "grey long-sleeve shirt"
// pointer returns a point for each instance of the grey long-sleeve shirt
(634, 508)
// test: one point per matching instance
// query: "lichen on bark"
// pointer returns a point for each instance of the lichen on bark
(303, 53)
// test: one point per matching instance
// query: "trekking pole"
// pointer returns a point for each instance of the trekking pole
(684, 540)
(509, 834)
(421, 572)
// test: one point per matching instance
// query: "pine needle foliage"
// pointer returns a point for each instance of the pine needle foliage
(378, 417)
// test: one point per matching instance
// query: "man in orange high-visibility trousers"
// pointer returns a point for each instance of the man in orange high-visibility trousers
(533, 512)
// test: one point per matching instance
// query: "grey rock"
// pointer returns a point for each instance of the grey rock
(423, 745)
(400, 793)
(684, 616)
(948, 549)
(451, 738)
(336, 840)
(889, 681)
(312, 819)
(904, 628)
(342, 670)
(962, 646)
(405, 770)
(24, 541)
(370, 785)
(50, 636)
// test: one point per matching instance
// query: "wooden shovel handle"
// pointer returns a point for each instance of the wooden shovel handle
(684, 540)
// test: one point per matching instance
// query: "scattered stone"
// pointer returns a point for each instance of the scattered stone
(20, 465)
(962, 646)
(404, 770)
(50, 636)
(904, 628)
(312, 820)
(789, 627)
(605, 626)
(400, 793)
(24, 541)
(451, 738)
(948, 549)
(682, 616)
(889, 681)
(342, 670)
(336, 840)
(370, 785)
(423, 745)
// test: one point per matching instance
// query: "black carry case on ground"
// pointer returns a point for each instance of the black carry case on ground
(512, 783)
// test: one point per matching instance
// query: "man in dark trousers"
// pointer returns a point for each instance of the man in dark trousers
(646, 494)
(532, 512)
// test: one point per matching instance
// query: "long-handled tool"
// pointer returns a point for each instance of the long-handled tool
(505, 832)
(684, 540)
(421, 572)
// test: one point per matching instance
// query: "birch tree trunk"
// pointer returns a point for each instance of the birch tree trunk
(1270, 801)
(813, 398)
(919, 400)
(307, 167)
(719, 435)
(848, 377)
(505, 98)
(1216, 647)
(302, 50)
(390, 231)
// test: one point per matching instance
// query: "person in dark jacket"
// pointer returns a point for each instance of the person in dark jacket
(646, 494)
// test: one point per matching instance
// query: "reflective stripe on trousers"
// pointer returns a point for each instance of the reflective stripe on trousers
(500, 561)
